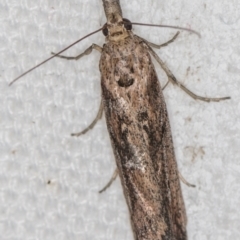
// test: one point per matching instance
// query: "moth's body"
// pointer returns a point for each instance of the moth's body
(139, 129)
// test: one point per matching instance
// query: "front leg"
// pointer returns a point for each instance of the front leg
(86, 52)
(161, 45)
(173, 79)
(158, 46)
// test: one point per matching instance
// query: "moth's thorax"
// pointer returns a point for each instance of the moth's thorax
(117, 31)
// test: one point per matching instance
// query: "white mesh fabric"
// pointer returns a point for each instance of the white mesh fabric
(49, 181)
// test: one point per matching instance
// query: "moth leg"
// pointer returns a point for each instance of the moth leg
(86, 52)
(172, 78)
(165, 85)
(164, 44)
(99, 115)
(185, 181)
(114, 176)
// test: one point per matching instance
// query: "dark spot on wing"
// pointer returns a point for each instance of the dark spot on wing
(125, 82)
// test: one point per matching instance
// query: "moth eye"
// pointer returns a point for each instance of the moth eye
(127, 24)
(105, 30)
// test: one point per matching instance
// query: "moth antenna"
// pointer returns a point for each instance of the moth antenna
(168, 26)
(48, 59)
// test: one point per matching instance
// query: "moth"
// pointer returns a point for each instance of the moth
(139, 129)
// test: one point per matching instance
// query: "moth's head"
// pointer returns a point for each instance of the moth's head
(117, 28)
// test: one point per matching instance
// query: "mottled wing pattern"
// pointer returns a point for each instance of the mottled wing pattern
(140, 134)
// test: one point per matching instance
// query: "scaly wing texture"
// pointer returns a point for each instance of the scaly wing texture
(140, 133)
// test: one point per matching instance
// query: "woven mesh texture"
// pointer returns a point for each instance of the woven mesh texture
(49, 181)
